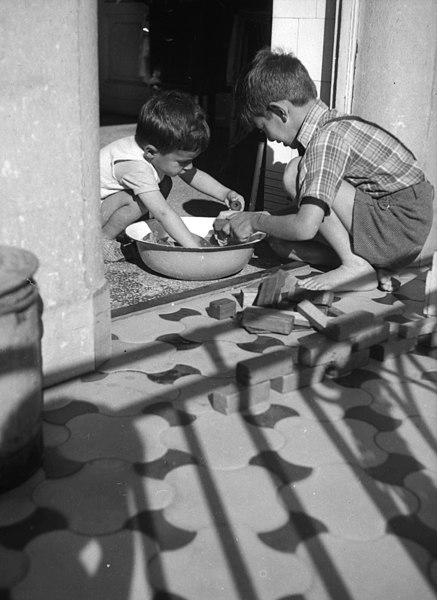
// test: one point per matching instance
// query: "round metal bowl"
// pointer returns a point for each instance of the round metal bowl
(192, 264)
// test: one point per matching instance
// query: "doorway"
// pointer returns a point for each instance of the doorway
(199, 46)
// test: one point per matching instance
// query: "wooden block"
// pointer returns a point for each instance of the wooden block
(428, 340)
(394, 322)
(356, 360)
(292, 293)
(266, 366)
(289, 288)
(417, 327)
(324, 299)
(430, 304)
(257, 319)
(348, 325)
(222, 308)
(234, 397)
(299, 320)
(392, 347)
(300, 377)
(371, 335)
(317, 349)
(270, 289)
(315, 316)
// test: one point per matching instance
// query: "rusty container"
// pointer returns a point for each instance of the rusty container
(21, 439)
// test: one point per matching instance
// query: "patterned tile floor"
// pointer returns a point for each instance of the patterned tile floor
(146, 492)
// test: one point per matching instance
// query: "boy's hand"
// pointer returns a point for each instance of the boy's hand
(241, 224)
(234, 201)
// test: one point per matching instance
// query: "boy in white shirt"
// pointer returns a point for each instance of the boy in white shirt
(136, 171)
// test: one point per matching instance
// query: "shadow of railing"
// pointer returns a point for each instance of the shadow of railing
(137, 554)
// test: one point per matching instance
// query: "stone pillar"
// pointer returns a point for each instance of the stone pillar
(395, 79)
(49, 173)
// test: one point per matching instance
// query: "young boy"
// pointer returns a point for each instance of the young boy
(135, 172)
(361, 204)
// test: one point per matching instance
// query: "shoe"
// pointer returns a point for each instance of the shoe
(112, 251)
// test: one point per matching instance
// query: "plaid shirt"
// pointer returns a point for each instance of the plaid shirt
(353, 150)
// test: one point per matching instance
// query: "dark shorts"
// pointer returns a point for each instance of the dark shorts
(391, 231)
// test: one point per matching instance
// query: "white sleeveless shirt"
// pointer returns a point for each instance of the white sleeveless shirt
(138, 175)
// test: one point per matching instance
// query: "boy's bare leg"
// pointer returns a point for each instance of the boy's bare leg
(354, 273)
(117, 212)
(313, 252)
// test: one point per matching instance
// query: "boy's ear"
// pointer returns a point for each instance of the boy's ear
(277, 109)
(150, 151)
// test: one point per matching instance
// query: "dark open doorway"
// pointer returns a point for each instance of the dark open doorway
(199, 46)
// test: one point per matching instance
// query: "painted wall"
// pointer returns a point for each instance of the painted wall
(395, 78)
(306, 28)
(49, 173)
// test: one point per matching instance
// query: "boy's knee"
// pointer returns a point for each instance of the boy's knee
(290, 177)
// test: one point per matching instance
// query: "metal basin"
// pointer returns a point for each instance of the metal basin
(192, 264)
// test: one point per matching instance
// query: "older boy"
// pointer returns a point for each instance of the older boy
(362, 204)
(136, 172)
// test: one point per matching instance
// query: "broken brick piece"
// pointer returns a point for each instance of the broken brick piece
(222, 308)
(266, 366)
(257, 319)
(317, 349)
(315, 316)
(234, 397)
(391, 348)
(348, 325)
(300, 377)
(371, 335)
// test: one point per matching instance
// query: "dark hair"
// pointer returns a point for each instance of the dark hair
(270, 77)
(172, 120)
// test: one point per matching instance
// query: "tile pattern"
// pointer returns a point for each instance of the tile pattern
(146, 492)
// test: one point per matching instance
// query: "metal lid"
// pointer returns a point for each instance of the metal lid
(16, 267)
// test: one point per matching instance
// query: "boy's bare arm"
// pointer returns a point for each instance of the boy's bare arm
(169, 219)
(203, 182)
(300, 226)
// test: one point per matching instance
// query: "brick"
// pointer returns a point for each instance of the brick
(270, 289)
(266, 366)
(289, 288)
(234, 397)
(371, 335)
(315, 316)
(356, 360)
(418, 327)
(395, 321)
(392, 347)
(222, 308)
(257, 319)
(292, 293)
(430, 304)
(348, 325)
(300, 377)
(299, 320)
(317, 349)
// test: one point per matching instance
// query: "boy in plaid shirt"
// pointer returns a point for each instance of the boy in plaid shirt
(362, 206)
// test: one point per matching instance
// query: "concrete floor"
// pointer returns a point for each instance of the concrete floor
(146, 492)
